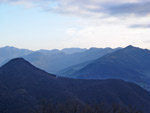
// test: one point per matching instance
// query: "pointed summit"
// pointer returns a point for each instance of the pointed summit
(135, 50)
(17, 63)
(130, 46)
(21, 66)
(16, 60)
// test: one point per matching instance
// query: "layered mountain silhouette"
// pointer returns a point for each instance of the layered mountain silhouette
(54, 60)
(130, 64)
(57, 61)
(23, 86)
(69, 71)
(7, 53)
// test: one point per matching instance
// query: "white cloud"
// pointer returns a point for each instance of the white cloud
(106, 10)
(88, 6)
(108, 35)
(102, 22)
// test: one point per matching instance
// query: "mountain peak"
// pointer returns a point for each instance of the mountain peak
(18, 63)
(20, 66)
(130, 47)
(134, 49)
(18, 60)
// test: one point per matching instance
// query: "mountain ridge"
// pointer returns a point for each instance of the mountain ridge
(22, 86)
(54, 60)
(131, 64)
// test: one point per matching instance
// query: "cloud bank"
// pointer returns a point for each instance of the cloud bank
(101, 21)
(125, 10)
(85, 7)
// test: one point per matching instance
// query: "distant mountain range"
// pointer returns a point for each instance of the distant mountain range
(130, 64)
(23, 86)
(65, 50)
(54, 60)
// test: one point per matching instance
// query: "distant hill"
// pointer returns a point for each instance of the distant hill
(69, 71)
(23, 86)
(47, 52)
(130, 64)
(7, 53)
(50, 62)
(55, 62)
(73, 50)
(65, 50)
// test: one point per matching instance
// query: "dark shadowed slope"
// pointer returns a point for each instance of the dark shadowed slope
(130, 63)
(23, 86)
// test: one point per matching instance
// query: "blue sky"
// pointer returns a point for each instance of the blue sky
(49, 24)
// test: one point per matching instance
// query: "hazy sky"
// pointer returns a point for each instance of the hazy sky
(49, 24)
